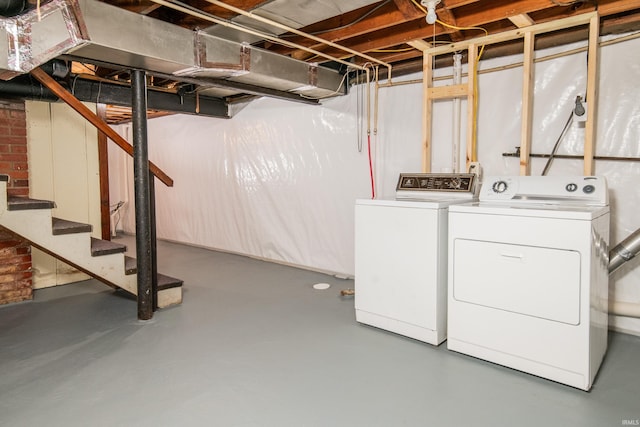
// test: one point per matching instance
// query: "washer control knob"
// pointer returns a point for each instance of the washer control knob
(588, 189)
(571, 187)
(499, 186)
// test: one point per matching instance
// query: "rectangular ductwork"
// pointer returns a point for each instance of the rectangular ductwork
(94, 31)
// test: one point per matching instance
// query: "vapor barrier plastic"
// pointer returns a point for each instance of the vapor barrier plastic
(279, 180)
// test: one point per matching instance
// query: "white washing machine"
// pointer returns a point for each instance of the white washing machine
(401, 255)
(528, 281)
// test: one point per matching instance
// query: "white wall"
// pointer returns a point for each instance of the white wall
(279, 180)
(63, 167)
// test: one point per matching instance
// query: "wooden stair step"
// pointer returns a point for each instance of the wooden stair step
(130, 265)
(105, 247)
(17, 203)
(63, 226)
(164, 281)
(168, 282)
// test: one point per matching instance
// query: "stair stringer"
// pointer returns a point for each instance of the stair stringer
(35, 225)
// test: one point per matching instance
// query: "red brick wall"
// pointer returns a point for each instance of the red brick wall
(15, 253)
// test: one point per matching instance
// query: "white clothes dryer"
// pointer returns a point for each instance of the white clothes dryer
(401, 255)
(528, 281)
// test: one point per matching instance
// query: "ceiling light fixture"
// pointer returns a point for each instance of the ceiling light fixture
(431, 10)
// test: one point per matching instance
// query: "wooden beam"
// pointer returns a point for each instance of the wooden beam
(103, 171)
(516, 34)
(420, 44)
(592, 94)
(448, 92)
(472, 55)
(522, 20)
(74, 103)
(407, 8)
(527, 104)
(427, 111)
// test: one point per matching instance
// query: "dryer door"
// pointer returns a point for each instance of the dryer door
(528, 280)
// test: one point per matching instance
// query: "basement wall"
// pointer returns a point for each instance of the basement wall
(279, 181)
(15, 253)
(63, 158)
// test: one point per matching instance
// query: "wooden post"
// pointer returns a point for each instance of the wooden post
(471, 100)
(527, 104)
(103, 161)
(427, 110)
(592, 94)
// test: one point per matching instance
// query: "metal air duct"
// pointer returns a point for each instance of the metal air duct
(624, 251)
(90, 30)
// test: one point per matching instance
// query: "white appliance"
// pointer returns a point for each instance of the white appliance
(528, 281)
(401, 255)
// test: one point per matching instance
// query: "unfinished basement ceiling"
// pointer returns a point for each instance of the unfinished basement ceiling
(382, 29)
(390, 31)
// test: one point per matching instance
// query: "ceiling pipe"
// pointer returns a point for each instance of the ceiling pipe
(9, 8)
(301, 33)
(208, 17)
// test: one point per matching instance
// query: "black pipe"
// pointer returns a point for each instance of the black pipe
(142, 197)
(25, 87)
(10, 8)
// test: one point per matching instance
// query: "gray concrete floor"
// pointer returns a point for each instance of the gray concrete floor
(254, 344)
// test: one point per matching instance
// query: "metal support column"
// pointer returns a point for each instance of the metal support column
(142, 194)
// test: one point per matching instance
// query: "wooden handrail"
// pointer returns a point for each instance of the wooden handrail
(103, 127)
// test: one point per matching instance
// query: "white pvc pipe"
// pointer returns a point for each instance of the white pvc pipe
(457, 79)
(625, 309)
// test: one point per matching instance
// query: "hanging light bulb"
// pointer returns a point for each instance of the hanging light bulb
(431, 10)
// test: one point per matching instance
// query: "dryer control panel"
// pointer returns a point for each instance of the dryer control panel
(584, 190)
(432, 185)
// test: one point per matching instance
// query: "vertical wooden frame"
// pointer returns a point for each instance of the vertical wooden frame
(472, 61)
(427, 110)
(592, 94)
(528, 34)
(528, 80)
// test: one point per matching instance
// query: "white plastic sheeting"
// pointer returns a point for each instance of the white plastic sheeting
(279, 180)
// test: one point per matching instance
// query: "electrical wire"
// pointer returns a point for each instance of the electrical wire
(373, 186)
(392, 50)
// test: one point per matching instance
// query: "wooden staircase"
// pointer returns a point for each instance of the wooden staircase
(72, 243)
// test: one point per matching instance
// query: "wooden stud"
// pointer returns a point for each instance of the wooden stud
(471, 113)
(103, 171)
(545, 27)
(592, 95)
(448, 92)
(427, 111)
(527, 104)
(522, 20)
(420, 44)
